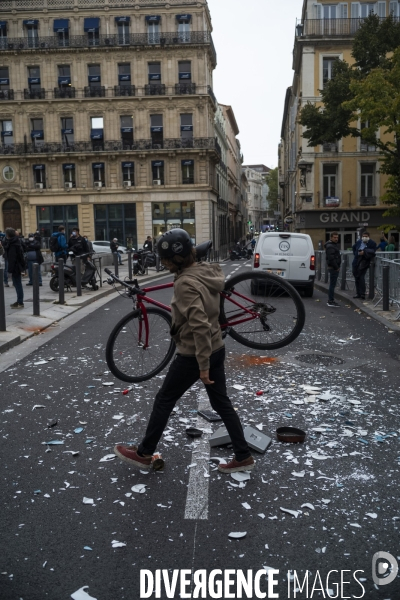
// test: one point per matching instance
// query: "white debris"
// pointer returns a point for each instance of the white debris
(299, 474)
(246, 505)
(140, 488)
(355, 525)
(294, 513)
(82, 595)
(237, 535)
(87, 500)
(308, 505)
(240, 476)
(116, 544)
(372, 515)
(107, 457)
(38, 406)
(238, 387)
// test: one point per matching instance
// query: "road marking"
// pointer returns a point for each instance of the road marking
(197, 494)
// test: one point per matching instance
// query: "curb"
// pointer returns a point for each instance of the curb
(11, 340)
(322, 287)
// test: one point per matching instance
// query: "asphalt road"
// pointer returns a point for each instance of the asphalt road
(351, 481)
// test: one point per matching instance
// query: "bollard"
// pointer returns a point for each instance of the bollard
(78, 276)
(385, 288)
(157, 263)
(101, 279)
(344, 271)
(2, 303)
(35, 288)
(61, 291)
(371, 291)
(319, 261)
(130, 265)
(115, 256)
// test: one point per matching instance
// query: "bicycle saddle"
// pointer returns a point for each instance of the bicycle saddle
(203, 249)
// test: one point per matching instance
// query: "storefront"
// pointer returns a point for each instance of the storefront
(116, 221)
(170, 215)
(348, 223)
(49, 218)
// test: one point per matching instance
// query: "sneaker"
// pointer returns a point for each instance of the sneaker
(234, 466)
(16, 305)
(129, 454)
(29, 284)
(6, 285)
(333, 304)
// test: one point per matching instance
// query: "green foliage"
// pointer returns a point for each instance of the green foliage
(368, 90)
(273, 195)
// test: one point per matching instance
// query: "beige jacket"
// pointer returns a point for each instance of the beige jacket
(195, 311)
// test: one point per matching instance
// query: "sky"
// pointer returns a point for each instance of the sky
(254, 43)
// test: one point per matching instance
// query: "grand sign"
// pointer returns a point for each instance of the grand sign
(343, 218)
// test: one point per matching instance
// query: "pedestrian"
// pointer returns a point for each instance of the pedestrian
(16, 264)
(364, 251)
(253, 243)
(114, 249)
(58, 244)
(77, 243)
(391, 247)
(148, 245)
(33, 255)
(3, 254)
(200, 352)
(382, 244)
(333, 262)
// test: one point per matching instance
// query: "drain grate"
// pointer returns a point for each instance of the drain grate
(320, 359)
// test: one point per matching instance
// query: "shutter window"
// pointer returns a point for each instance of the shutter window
(343, 10)
(382, 9)
(317, 11)
(394, 8)
(355, 10)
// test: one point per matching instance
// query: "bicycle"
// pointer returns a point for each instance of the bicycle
(140, 346)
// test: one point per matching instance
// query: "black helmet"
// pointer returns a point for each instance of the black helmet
(176, 242)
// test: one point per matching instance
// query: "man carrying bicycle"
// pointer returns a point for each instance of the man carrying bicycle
(200, 352)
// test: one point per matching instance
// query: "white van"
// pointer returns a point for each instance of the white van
(289, 255)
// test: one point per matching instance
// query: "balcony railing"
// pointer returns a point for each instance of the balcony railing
(154, 89)
(367, 200)
(64, 4)
(124, 90)
(330, 147)
(6, 94)
(211, 93)
(196, 38)
(64, 92)
(185, 88)
(108, 146)
(367, 147)
(330, 27)
(95, 92)
(34, 94)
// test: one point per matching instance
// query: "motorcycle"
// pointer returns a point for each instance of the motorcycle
(237, 253)
(87, 279)
(142, 260)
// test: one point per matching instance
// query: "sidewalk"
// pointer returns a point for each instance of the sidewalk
(21, 324)
(387, 318)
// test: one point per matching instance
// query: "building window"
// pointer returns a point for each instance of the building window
(49, 218)
(99, 179)
(170, 215)
(327, 69)
(155, 87)
(187, 171)
(31, 28)
(126, 124)
(97, 133)
(153, 29)
(366, 146)
(116, 221)
(67, 132)
(8, 174)
(330, 185)
(187, 130)
(65, 89)
(37, 132)
(367, 9)
(394, 8)
(157, 168)
(184, 27)
(157, 131)
(128, 174)
(92, 28)
(34, 84)
(185, 85)
(5, 84)
(7, 134)
(94, 88)
(69, 175)
(123, 24)
(367, 180)
(61, 29)
(39, 176)
(3, 34)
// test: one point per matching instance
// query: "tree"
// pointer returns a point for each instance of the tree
(273, 194)
(368, 90)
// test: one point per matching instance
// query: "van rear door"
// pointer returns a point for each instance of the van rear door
(275, 254)
(301, 251)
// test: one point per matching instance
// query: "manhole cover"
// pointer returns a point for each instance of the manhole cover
(320, 359)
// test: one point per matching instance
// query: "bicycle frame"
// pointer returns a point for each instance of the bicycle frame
(142, 298)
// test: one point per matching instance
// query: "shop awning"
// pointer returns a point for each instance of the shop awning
(97, 165)
(187, 163)
(157, 163)
(183, 18)
(31, 22)
(127, 165)
(61, 25)
(153, 18)
(92, 25)
(122, 19)
(96, 134)
(68, 167)
(3, 25)
(38, 167)
(37, 134)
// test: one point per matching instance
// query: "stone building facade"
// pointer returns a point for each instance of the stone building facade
(107, 117)
(333, 186)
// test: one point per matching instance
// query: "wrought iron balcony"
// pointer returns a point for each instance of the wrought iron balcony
(211, 93)
(68, 92)
(95, 92)
(330, 147)
(109, 146)
(367, 147)
(367, 200)
(185, 88)
(329, 27)
(187, 180)
(124, 90)
(6, 94)
(196, 38)
(154, 89)
(34, 94)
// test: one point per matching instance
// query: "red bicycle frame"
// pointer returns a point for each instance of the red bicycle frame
(142, 298)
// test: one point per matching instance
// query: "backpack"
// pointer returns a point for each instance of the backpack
(54, 244)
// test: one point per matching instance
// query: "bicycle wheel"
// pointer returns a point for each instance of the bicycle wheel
(128, 358)
(262, 311)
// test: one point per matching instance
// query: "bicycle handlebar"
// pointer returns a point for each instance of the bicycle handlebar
(133, 289)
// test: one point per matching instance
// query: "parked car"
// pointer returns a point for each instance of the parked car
(102, 247)
(289, 255)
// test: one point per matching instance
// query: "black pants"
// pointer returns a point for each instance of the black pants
(182, 374)
(359, 276)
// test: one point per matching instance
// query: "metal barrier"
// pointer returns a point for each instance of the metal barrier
(2, 302)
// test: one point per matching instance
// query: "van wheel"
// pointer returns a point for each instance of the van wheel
(309, 292)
